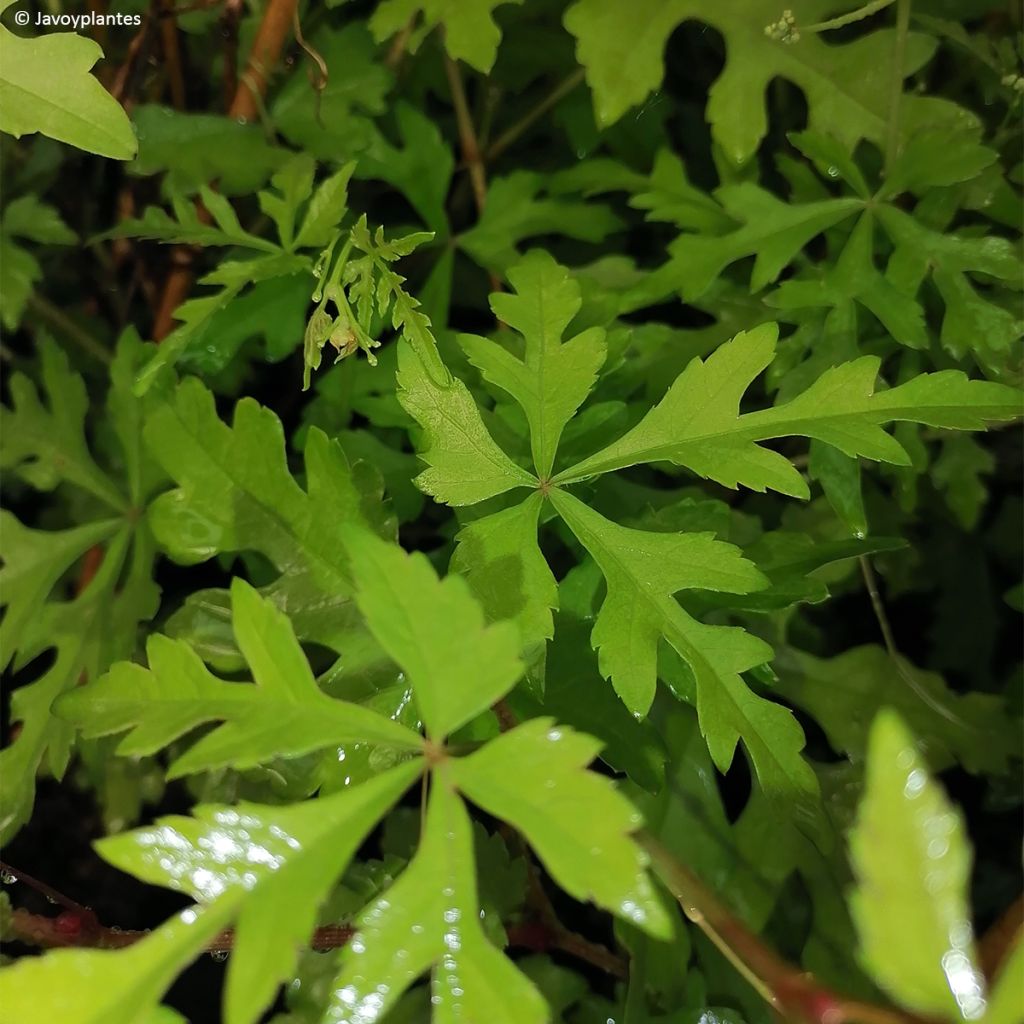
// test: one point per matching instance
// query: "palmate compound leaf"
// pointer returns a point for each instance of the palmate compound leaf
(912, 859)
(235, 494)
(553, 378)
(698, 423)
(284, 714)
(45, 87)
(269, 868)
(643, 571)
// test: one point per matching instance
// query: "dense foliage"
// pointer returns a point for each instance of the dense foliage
(496, 515)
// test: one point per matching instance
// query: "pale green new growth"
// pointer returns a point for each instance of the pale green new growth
(913, 861)
(45, 87)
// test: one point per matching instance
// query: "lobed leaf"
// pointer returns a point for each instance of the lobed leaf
(283, 715)
(435, 631)
(575, 820)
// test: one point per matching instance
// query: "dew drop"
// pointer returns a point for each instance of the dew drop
(7, 877)
(220, 955)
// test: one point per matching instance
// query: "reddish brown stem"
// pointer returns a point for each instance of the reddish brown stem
(248, 98)
(80, 929)
(471, 155)
(793, 992)
(172, 54)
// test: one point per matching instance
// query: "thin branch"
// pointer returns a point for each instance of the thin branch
(397, 50)
(230, 18)
(64, 325)
(889, 639)
(78, 927)
(527, 121)
(172, 54)
(892, 136)
(246, 106)
(471, 154)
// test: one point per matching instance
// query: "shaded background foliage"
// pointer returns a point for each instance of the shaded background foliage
(618, 199)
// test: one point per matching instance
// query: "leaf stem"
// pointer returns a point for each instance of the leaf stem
(892, 138)
(471, 154)
(561, 90)
(63, 324)
(848, 19)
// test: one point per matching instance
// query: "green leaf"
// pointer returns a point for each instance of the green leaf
(643, 571)
(283, 715)
(19, 272)
(960, 472)
(500, 557)
(553, 378)
(831, 158)
(99, 624)
(773, 231)
(575, 820)
(269, 868)
(435, 631)
(45, 86)
(698, 425)
(430, 918)
(846, 85)
(971, 322)
(326, 208)
(470, 32)
(331, 123)
(236, 494)
(27, 217)
(34, 561)
(854, 277)
(196, 149)
(912, 859)
(187, 227)
(931, 158)
(843, 692)
(421, 169)
(514, 213)
(46, 444)
(92, 986)
(465, 463)
(839, 477)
